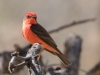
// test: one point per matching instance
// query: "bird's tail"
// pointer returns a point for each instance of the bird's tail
(61, 56)
(64, 59)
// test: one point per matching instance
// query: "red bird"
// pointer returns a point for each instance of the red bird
(33, 32)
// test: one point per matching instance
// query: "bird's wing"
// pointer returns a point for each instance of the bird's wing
(43, 35)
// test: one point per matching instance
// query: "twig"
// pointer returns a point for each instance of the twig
(31, 60)
(95, 70)
(71, 24)
(11, 63)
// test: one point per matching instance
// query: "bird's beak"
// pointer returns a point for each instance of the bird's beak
(31, 20)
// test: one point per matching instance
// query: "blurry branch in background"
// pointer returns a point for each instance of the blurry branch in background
(72, 51)
(95, 70)
(74, 23)
(22, 51)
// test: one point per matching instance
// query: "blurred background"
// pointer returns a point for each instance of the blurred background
(51, 14)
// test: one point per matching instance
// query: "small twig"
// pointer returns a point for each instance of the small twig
(95, 70)
(12, 59)
(71, 24)
(11, 63)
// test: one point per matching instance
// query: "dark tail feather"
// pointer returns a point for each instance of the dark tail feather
(64, 59)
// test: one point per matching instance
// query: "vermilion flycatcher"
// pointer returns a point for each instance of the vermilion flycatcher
(33, 32)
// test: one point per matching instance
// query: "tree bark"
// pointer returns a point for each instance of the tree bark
(72, 52)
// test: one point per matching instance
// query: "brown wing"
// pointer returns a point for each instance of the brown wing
(43, 35)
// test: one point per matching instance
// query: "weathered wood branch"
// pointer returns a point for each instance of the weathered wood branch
(72, 52)
(31, 60)
(6, 56)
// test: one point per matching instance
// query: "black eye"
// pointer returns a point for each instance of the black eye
(34, 17)
(28, 17)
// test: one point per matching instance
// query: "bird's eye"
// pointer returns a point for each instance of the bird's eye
(34, 17)
(28, 17)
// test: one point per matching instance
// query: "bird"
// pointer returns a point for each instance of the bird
(33, 32)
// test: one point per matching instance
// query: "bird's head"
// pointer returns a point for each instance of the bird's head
(30, 18)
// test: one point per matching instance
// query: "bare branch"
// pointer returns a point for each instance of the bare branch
(31, 60)
(72, 52)
(95, 70)
(71, 24)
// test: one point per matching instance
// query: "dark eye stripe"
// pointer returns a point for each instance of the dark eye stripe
(28, 17)
(33, 17)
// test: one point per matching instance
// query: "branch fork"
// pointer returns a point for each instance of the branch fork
(31, 60)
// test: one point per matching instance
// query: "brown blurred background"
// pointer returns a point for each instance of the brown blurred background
(52, 14)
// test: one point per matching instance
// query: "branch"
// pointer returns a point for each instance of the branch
(72, 52)
(95, 70)
(71, 24)
(31, 60)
